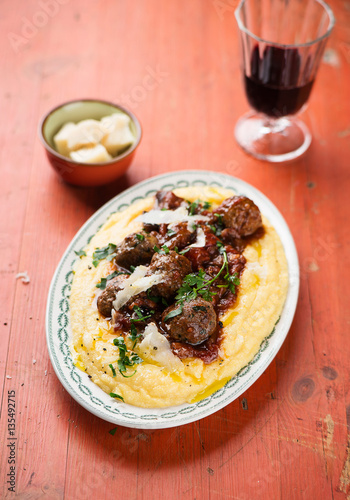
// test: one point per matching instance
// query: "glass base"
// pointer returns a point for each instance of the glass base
(272, 139)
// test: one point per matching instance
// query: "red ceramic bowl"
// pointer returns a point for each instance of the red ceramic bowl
(86, 174)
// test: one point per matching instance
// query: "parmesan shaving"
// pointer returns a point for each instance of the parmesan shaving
(136, 283)
(200, 240)
(156, 347)
(170, 217)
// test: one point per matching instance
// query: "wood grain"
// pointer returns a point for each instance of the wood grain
(288, 436)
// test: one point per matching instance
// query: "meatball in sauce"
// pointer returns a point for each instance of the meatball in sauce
(198, 283)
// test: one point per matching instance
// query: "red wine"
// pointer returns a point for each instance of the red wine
(276, 86)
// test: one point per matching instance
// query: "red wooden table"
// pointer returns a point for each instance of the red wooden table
(176, 65)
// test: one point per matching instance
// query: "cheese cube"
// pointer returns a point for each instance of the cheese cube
(118, 140)
(61, 138)
(95, 154)
(116, 121)
(86, 133)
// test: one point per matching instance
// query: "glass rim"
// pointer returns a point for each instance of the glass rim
(326, 7)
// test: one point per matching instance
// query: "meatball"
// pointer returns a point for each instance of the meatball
(178, 236)
(135, 249)
(168, 200)
(194, 325)
(175, 267)
(106, 298)
(240, 214)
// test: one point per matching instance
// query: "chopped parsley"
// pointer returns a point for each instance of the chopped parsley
(113, 370)
(197, 284)
(126, 358)
(198, 206)
(232, 281)
(164, 250)
(219, 225)
(107, 252)
(140, 315)
(134, 335)
(80, 254)
(194, 285)
(116, 396)
(206, 205)
(103, 283)
(173, 313)
(220, 219)
(140, 236)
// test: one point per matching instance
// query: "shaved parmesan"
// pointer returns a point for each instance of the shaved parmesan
(156, 347)
(200, 240)
(136, 283)
(170, 217)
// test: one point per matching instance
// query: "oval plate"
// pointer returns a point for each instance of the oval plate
(58, 333)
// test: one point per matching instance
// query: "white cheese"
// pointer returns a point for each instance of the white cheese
(200, 240)
(118, 139)
(136, 283)
(61, 138)
(112, 132)
(170, 217)
(116, 121)
(96, 154)
(155, 347)
(86, 133)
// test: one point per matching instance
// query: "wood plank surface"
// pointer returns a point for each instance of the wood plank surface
(287, 436)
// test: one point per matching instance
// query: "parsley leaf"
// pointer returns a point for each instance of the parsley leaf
(193, 207)
(140, 315)
(198, 206)
(103, 283)
(206, 205)
(219, 225)
(173, 313)
(116, 396)
(107, 252)
(232, 281)
(124, 360)
(80, 254)
(134, 335)
(165, 249)
(140, 236)
(162, 251)
(194, 284)
(113, 370)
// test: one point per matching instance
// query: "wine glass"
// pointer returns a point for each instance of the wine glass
(282, 45)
